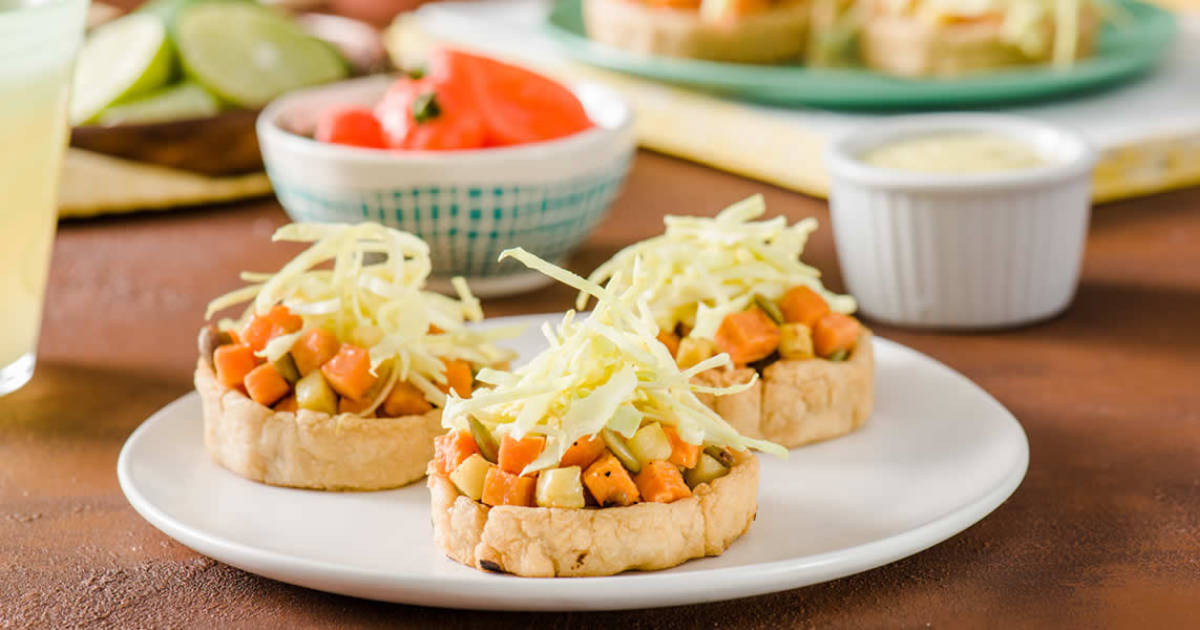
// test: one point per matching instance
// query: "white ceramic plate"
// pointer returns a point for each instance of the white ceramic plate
(938, 455)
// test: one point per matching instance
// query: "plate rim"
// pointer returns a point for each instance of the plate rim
(778, 84)
(619, 592)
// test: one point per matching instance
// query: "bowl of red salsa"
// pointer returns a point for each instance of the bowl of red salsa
(474, 156)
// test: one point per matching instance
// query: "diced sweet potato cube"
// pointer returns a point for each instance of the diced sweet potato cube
(610, 483)
(451, 449)
(747, 336)
(583, 452)
(835, 332)
(682, 453)
(313, 349)
(287, 403)
(263, 328)
(349, 371)
(670, 340)
(803, 305)
(458, 377)
(405, 400)
(502, 488)
(661, 482)
(233, 362)
(357, 407)
(265, 385)
(515, 455)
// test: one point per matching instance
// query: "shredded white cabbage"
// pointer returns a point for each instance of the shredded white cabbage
(372, 295)
(605, 371)
(702, 269)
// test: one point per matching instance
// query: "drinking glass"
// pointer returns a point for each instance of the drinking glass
(38, 43)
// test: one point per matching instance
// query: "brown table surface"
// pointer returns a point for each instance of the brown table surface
(1105, 529)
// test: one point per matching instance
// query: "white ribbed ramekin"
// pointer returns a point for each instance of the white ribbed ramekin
(961, 250)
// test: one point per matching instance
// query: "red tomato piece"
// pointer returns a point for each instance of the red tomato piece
(518, 106)
(425, 114)
(354, 126)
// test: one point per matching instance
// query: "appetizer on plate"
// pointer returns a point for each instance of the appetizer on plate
(594, 458)
(730, 285)
(946, 38)
(754, 31)
(336, 374)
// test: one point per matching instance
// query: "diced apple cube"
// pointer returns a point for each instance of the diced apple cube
(560, 488)
(693, 350)
(705, 471)
(795, 341)
(469, 476)
(650, 443)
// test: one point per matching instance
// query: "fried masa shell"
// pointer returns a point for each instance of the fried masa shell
(911, 47)
(777, 34)
(549, 542)
(309, 449)
(799, 401)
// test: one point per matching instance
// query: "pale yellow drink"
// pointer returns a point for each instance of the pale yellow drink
(38, 42)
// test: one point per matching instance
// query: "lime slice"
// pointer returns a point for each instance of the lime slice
(248, 55)
(177, 102)
(122, 59)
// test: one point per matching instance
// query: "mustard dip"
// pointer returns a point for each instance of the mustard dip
(955, 152)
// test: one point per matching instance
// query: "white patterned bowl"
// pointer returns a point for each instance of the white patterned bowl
(467, 205)
(961, 250)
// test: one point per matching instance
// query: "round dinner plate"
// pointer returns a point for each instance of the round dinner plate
(938, 454)
(1139, 35)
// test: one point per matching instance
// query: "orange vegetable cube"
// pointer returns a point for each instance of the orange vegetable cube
(610, 483)
(682, 453)
(835, 332)
(357, 407)
(502, 488)
(405, 400)
(263, 328)
(747, 336)
(313, 349)
(265, 385)
(670, 340)
(661, 482)
(233, 362)
(349, 371)
(583, 452)
(803, 305)
(458, 377)
(451, 449)
(675, 4)
(515, 454)
(287, 403)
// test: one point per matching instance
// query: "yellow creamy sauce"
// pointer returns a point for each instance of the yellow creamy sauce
(959, 152)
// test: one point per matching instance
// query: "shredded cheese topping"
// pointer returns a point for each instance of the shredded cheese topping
(365, 283)
(702, 269)
(605, 371)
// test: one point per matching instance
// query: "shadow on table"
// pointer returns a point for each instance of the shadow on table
(73, 402)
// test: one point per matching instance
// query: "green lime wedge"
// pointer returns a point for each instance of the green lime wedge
(120, 60)
(177, 102)
(248, 54)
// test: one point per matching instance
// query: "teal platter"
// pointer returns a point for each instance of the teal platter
(1124, 51)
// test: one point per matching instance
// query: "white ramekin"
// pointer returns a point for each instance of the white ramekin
(961, 250)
